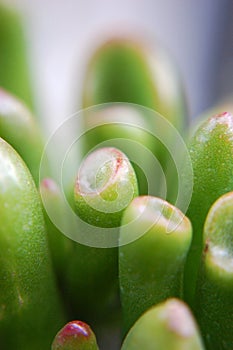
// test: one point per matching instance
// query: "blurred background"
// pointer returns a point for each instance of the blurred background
(62, 34)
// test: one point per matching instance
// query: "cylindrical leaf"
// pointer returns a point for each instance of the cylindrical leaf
(151, 265)
(131, 71)
(60, 246)
(127, 70)
(211, 151)
(214, 304)
(169, 325)
(105, 185)
(29, 303)
(14, 67)
(19, 128)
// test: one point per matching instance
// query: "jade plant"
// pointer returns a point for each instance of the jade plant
(104, 262)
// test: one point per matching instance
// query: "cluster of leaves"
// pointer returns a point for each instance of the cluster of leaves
(157, 267)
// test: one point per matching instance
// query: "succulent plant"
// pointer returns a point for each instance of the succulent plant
(102, 254)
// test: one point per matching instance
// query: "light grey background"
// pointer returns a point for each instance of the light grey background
(197, 33)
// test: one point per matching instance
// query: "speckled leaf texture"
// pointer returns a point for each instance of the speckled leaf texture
(30, 310)
(211, 151)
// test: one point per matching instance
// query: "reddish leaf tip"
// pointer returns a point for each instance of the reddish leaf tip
(73, 334)
(78, 328)
(49, 184)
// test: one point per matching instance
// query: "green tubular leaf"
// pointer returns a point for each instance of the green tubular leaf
(106, 182)
(14, 72)
(29, 303)
(151, 266)
(168, 325)
(126, 70)
(223, 105)
(211, 151)
(19, 128)
(75, 335)
(60, 246)
(105, 185)
(214, 305)
(124, 127)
